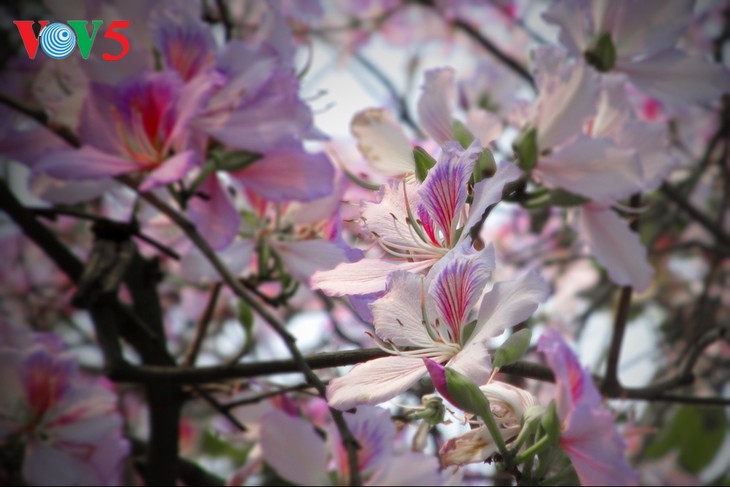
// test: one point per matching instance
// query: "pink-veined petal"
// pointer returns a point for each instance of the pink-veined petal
(84, 163)
(589, 435)
(292, 448)
(674, 76)
(382, 141)
(506, 304)
(595, 168)
(374, 382)
(458, 284)
(444, 191)
(615, 246)
(436, 104)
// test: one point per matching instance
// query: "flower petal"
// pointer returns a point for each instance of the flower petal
(436, 104)
(595, 168)
(374, 382)
(382, 141)
(458, 284)
(214, 214)
(292, 448)
(568, 94)
(363, 277)
(615, 246)
(488, 192)
(486, 126)
(507, 304)
(675, 77)
(305, 257)
(173, 169)
(289, 173)
(444, 191)
(84, 163)
(397, 315)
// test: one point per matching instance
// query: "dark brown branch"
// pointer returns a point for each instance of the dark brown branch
(188, 228)
(706, 222)
(611, 384)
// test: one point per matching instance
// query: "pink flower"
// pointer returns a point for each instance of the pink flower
(69, 425)
(416, 225)
(140, 127)
(432, 317)
(589, 434)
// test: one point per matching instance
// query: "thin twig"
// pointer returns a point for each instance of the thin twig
(202, 327)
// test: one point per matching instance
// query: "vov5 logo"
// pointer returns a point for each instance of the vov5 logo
(59, 40)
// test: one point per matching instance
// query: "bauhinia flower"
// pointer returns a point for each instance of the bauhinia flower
(140, 127)
(588, 432)
(433, 317)
(68, 426)
(416, 225)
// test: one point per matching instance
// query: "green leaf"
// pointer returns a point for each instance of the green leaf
(462, 134)
(424, 162)
(513, 349)
(245, 315)
(696, 432)
(485, 166)
(560, 197)
(237, 160)
(214, 445)
(601, 53)
(525, 147)
(550, 423)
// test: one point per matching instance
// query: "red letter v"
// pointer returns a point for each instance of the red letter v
(30, 41)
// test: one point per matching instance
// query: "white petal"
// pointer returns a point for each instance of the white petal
(436, 104)
(489, 192)
(382, 141)
(569, 16)
(568, 94)
(363, 277)
(595, 168)
(486, 126)
(292, 448)
(507, 304)
(643, 28)
(615, 246)
(676, 77)
(375, 381)
(397, 315)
